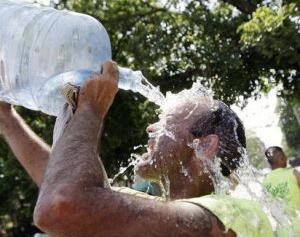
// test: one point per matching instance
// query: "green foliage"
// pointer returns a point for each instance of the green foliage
(256, 150)
(275, 33)
(124, 129)
(233, 52)
(290, 128)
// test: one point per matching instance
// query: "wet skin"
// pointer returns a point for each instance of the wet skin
(277, 160)
(73, 199)
(171, 149)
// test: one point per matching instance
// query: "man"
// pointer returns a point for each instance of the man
(276, 157)
(284, 182)
(75, 199)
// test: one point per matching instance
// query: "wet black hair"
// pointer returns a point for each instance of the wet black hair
(222, 121)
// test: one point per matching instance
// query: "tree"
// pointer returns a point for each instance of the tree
(274, 33)
(290, 128)
(256, 150)
(238, 48)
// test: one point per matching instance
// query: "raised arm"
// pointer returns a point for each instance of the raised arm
(73, 200)
(31, 151)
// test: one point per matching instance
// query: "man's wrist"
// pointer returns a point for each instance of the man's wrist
(92, 115)
(93, 111)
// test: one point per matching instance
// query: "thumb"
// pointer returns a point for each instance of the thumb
(110, 70)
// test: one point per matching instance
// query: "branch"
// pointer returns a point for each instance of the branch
(244, 6)
(178, 78)
(129, 16)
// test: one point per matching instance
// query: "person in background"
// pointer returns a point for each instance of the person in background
(276, 157)
(294, 162)
(283, 182)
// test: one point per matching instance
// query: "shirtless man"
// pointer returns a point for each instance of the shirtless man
(75, 199)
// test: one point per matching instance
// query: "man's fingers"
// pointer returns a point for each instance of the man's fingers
(96, 76)
(110, 69)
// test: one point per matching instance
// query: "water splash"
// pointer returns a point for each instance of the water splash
(165, 185)
(151, 92)
(248, 181)
(250, 187)
(124, 170)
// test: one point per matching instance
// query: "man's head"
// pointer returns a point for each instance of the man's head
(276, 157)
(186, 127)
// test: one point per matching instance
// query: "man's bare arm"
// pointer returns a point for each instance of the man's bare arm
(73, 200)
(31, 151)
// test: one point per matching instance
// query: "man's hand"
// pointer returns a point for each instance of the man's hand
(98, 93)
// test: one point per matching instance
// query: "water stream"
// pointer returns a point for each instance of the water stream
(248, 180)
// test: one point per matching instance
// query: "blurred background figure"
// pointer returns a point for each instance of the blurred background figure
(283, 181)
(276, 157)
(295, 162)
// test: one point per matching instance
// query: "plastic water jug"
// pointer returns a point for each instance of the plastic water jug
(42, 49)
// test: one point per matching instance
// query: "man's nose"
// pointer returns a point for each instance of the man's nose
(152, 128)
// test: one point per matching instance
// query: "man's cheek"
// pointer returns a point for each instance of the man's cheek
(147, 169)
(144, 170)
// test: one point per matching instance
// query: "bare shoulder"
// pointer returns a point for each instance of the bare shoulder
(200, 219)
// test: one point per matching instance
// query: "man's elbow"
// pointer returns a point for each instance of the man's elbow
(53, 213)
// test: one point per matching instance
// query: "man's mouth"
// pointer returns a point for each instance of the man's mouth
(145, 156)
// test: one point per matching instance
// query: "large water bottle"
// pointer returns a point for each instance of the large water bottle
(42, 49)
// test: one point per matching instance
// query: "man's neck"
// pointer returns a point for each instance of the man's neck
(277, 166)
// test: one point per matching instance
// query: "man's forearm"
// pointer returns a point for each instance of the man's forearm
(31, 151)
(74, 159)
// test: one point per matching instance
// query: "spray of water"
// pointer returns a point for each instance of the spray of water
(248, 178)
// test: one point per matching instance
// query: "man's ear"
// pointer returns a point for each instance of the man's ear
(209, 145)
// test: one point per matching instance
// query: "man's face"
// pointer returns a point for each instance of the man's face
(278, 160)
(170, 140)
